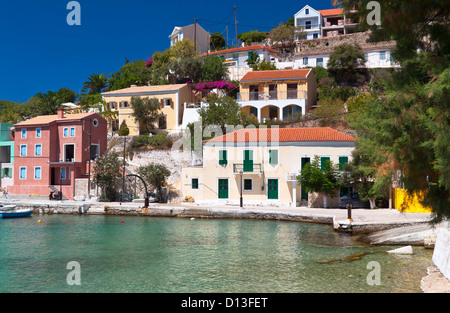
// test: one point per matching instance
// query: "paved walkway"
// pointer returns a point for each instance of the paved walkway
(358, 215)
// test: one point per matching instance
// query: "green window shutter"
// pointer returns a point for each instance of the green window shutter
(223, 157)
(194, 183)
(248, 160)
(323, 162)
(273, 157)
(342, 161)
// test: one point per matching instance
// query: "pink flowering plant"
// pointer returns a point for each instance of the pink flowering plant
(206, 87)
(149, 62)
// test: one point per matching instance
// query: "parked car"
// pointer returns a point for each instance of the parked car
(353, 202)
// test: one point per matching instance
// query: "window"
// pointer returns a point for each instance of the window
(6, 172)
(38, 150)
(308, 25)
(320, 62)
(366, 57)
(273, 157)
(315, 35)
(342, 162)
(69, 153)
(305, 61)
(72, 131)
(194, 183)
(24, 133)
(124, 104)
(95, 122)
(306, 11)
(23, 150)
(112, 105)
(223, 157)
(37, 172)
(382, 55)
(66, 132)
(248, 184)
(323, 162)
(23, 173)
(38, 133)
(167, 102)
(63, 173)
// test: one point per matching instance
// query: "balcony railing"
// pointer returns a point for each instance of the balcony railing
(292, 176)
(255, 168)
(271, 95)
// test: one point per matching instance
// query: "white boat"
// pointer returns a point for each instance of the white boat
(10, 211)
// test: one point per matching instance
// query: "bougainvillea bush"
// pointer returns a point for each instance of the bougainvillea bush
(208, 86)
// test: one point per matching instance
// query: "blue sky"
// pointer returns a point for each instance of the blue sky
(39, 51)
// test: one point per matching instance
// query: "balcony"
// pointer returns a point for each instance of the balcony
(250, 168)
(271, 95)
(292, 176)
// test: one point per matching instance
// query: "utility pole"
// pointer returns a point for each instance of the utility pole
(90, 153)
(227, 35)
(123, 169)
(235, 26)
(195, 34)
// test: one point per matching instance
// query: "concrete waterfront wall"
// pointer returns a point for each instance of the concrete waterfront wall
(55, 208)
(441, 254)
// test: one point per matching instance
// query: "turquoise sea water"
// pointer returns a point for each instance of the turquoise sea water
(145, 254)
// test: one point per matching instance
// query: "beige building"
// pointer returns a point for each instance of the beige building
(279, 94)
(263, 163)
(172, 100)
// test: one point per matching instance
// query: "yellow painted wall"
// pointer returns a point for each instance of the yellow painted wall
(411, 203)
(178, 97)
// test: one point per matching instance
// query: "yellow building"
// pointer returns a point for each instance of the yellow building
(262, 163)
(278, 94)
(172, 99)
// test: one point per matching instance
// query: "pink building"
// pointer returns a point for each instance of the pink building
(51, 151)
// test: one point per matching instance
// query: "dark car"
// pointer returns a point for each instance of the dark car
(353, 202)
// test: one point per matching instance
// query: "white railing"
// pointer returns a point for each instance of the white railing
(271, 95)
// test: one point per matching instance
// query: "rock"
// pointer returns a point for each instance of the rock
(402, 250)
(441, 253)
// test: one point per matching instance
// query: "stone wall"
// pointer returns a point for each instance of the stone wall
(326, 45)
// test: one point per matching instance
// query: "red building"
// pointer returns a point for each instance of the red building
(51, 151)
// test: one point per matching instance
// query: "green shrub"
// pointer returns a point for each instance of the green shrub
(158, 141)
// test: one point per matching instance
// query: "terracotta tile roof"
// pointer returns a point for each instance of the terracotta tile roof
(144, 89)
(305, 134)
(249, 48)
(46, 119)
(329, 12)
(277, 74)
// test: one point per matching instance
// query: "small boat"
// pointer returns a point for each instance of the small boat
(10, 211)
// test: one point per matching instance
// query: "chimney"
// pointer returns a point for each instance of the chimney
(60, 113)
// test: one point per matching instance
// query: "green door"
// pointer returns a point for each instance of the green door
(223, 188)
(272, 192)
(304, 195)
(248, 160)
